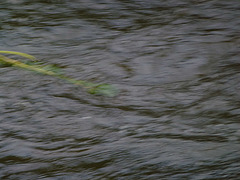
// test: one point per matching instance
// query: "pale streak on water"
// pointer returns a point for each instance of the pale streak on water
(176, 64)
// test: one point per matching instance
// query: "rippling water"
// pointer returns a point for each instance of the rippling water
(175, 63)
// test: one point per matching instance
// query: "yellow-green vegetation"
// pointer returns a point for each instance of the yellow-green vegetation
(52, 70)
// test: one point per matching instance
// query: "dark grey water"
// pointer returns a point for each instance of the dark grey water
(176, 64)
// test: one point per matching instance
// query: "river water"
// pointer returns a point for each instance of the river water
(176, 64)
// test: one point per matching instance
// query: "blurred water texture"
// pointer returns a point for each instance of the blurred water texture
(175, 63)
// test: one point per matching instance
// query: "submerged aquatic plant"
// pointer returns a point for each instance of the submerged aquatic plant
(51, 70)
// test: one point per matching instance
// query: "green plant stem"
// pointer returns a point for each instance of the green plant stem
(39, 70)
(92, 88)
(28, 56)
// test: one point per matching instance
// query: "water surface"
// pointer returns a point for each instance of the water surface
(176, 65)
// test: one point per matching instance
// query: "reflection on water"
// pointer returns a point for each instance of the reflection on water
(176, 64)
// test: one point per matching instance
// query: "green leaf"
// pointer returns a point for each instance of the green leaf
(104, 89)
